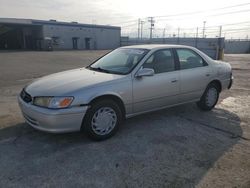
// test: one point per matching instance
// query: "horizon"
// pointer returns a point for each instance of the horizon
(233, 17)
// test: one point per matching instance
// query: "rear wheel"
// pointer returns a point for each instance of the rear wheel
(210, 97)
(102, 119)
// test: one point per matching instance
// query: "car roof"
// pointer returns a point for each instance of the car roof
(156, 46)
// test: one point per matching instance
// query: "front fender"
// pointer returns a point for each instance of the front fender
(97, 95)
(121, 90)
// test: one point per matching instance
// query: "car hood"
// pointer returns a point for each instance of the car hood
(65, 83)
(223, 64)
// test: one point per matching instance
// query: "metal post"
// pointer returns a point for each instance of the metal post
(163, 35)
(142, 22)
(204, 25)
(196, 37)
(220, 32)
(139, 28)
(151, 20)
(178, 38)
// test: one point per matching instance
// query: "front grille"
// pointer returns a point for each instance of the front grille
(25, 96)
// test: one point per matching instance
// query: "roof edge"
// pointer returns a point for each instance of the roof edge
(53, 22)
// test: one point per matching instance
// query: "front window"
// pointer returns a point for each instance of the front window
(119, 61)
(161, 61)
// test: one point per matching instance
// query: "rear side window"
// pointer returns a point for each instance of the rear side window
(161, 61)
(189, 59)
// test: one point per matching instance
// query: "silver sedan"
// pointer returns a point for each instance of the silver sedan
(125, 82)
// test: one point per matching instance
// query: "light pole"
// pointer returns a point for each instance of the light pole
(151, 21)
(142, 22)
(204, 25)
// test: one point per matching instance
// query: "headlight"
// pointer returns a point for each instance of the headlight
(53, 102)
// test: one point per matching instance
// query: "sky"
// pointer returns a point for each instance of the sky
(234, 16)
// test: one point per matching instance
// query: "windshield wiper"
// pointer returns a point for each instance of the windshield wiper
(99, 69)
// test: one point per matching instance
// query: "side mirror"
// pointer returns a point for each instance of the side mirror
(145, 72)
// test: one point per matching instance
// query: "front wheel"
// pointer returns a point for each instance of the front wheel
(102, 120)
(209, 98)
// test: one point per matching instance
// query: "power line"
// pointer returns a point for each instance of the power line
(234, 12)
(240, 29)
(214, 29)
(129, 21)
(216, 26)
(238, 23)
(243, 31)
(187, 13)
(129, 25)
(209, 29)
(227, 31)
(207, 16)
(198, 12)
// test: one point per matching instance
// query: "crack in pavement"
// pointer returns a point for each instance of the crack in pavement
(11, 139)
(233, 135)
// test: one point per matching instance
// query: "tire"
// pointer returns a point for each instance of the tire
(102, 119)
(209, 98)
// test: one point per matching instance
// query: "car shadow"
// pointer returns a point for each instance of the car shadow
(169, 148)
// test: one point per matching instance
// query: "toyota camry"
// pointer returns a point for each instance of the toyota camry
(123, 83)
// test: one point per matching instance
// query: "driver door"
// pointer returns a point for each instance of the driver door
(161, 89)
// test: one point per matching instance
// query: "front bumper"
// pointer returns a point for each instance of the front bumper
(53, 120)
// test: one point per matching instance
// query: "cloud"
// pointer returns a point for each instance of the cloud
(121, 12)
(98, 11)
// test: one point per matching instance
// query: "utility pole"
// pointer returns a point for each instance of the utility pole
(197, 31)
(139, 21)
(142, 22)
(163, 35)
(204, 25)
(178, 38)
(196, 36)
(151, 21)
(220, 31)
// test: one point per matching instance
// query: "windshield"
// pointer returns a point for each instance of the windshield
(119, 61)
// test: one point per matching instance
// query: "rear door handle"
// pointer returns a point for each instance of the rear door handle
(174, 80)
(207, 74)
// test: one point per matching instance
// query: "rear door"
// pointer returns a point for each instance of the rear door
(194, 74)
(161, 89)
